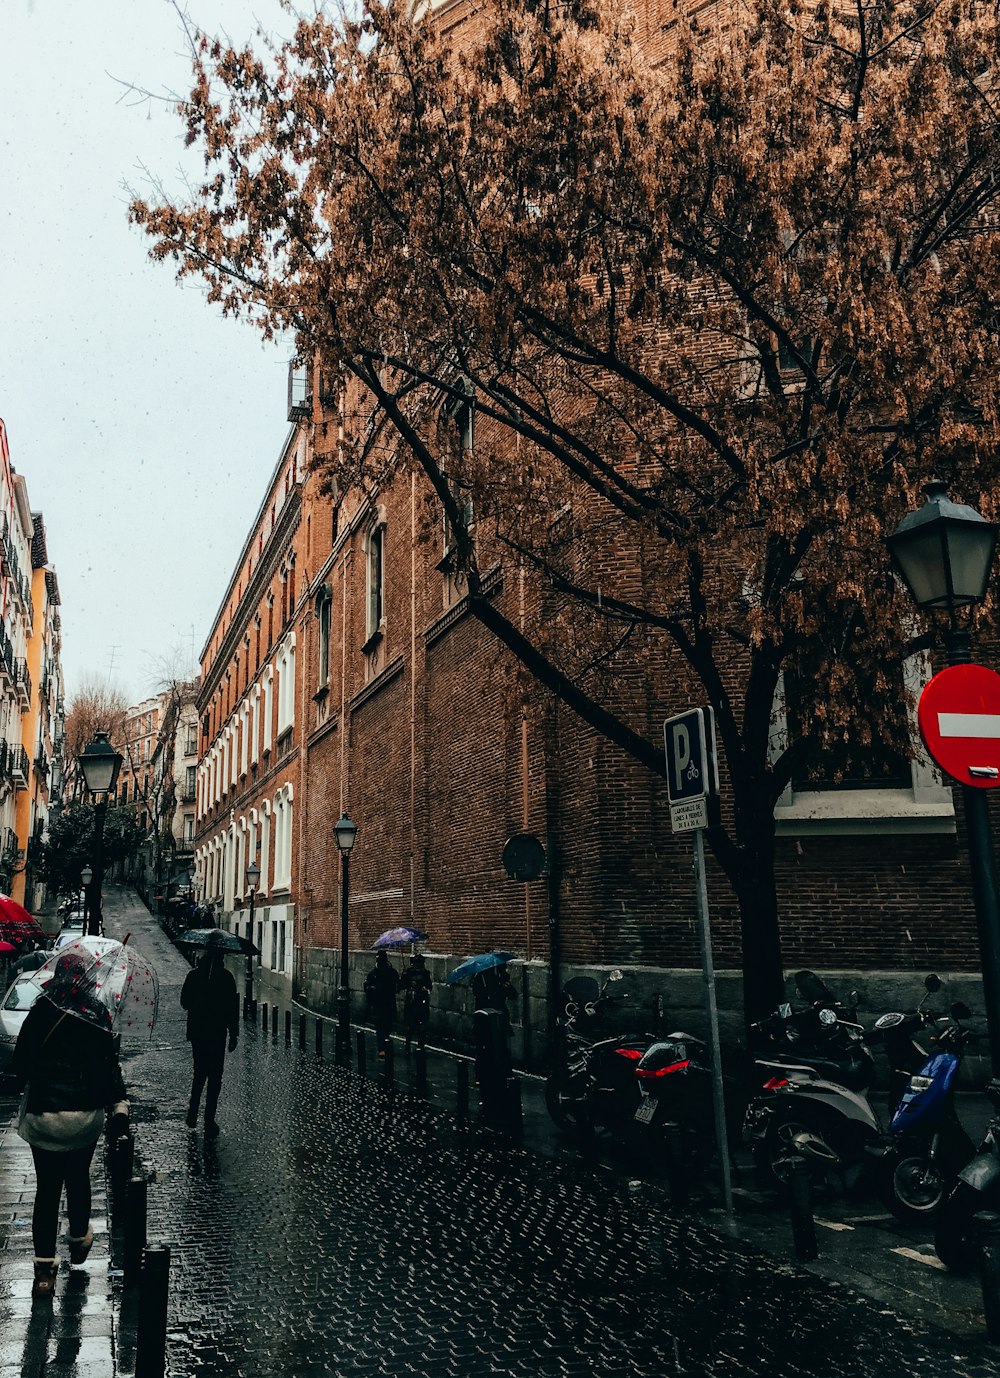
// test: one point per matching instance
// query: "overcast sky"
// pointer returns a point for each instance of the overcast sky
(144, 423)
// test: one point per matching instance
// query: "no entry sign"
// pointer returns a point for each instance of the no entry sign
(959, 719)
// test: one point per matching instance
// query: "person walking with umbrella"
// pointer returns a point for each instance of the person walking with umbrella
(213, 1011)
(416, 985)
(381, 985)
(66, 1064)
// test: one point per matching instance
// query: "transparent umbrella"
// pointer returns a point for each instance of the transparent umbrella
(105, 983)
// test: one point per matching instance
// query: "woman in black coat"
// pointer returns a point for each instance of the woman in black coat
(66, 1064)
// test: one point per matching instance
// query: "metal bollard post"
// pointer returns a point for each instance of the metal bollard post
(319, 1038)
(988, 1235)
(673, 1153)
(135, 1230)
(263, 1015)
(122, 1159)
(420, 1068)
(462, 1090)
(390, 1062)
(801, 1206)
(151, 1332)
(362, 1047)
(302, 1031)
(274, 1021)
(515, 1108)
(288, 1026)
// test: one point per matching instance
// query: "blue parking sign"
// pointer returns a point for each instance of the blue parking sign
(692, 773)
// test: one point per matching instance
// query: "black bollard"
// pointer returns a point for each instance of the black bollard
(263, 1015)
(492, 1062)
(515, 1108)
(420, 1070)
(288, 1026)
(390, 1062)
(988, 1235)
(151, 1331)
(302, 1031)
(319, 1038)
(673, 1155)
(274, 1021)
(122, 1159)
(362, 1047)
(801, 1206)
(135, 1230)
(462, 1090)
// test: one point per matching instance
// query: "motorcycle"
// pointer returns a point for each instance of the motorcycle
(675, 1082)
(977, 1189)
(596, 1088)
(813, 1104)
(929, 1146)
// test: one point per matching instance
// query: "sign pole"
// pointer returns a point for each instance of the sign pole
(708, 972)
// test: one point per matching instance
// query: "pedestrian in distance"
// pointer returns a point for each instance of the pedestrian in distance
(492, 992)
(213, 1014)
(33, 957)
(381, 985)
(416, 985)
(66, 1065)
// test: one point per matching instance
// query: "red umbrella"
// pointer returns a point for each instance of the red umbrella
(6, 947)
(16, 924)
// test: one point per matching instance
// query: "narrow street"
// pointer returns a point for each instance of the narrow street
(339, 1228)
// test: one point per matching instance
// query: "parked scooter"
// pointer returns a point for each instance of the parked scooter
(813, 1104)
(977, 1189)
(674, 1076)
(597, 1087)
(929, 1146)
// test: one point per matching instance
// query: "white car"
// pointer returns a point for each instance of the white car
(15, 1005)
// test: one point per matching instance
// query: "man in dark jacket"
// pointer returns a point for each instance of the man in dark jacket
(213, 1011)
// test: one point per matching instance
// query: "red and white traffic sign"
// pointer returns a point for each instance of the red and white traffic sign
(959, 719)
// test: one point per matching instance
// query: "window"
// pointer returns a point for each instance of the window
(189, 781)
(375, 580)
(286, 685)
(265, 845)
(266, 706)
(244, 738)
(323, 647)
(188, 829)
(255, 725)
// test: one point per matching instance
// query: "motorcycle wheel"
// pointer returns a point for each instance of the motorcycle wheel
(911, 1186)
(773, 1153)
(955, 1233)
(560, 1103)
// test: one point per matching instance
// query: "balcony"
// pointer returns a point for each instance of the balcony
(42, 764)
(4, 761)
(22, 678)
(19, 768)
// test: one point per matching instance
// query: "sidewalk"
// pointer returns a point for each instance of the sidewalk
(71, 1336)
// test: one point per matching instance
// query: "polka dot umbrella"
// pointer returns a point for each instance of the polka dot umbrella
(106, 983)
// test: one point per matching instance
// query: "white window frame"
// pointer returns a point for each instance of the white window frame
(375, 587)
(244, 738)
(255, 725)
(926, 806)
(265, 846)
(267, 707)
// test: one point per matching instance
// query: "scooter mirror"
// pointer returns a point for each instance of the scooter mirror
(960, 1010)
(615, 975)
(932, 983)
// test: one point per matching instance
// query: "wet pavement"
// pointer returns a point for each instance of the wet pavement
(342, 1227)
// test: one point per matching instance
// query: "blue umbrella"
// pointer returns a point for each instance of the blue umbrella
(398, 937)
(474, 965)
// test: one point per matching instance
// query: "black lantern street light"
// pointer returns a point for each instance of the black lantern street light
(100, 764)
(249, 1003)
(345, 831)
(944, 553)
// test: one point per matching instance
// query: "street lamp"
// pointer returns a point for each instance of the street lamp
(86, 876)
(249, 1003)
(944, 554)
(344, 831)
(100, 764)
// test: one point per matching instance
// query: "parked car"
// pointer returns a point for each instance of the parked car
(18, 1000)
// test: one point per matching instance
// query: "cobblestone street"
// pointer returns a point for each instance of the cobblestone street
(338, 1228)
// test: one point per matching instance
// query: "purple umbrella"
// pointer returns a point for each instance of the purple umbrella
(398, 937)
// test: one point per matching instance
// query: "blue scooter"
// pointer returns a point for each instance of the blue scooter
(928, 1146)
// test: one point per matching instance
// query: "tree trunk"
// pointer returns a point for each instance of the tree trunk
(757, 895)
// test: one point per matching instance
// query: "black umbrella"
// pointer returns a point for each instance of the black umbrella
(218, 940)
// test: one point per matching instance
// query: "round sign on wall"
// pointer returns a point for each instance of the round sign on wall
(523, 857)
(959, 720)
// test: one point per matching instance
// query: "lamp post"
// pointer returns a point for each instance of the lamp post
(100, 764)
(944, 554)
(86, 876)
(249, 1003)
(344, 831)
